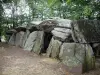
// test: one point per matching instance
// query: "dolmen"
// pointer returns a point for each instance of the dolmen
(74, 43)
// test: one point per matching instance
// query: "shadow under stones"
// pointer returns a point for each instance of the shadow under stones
(46, 41)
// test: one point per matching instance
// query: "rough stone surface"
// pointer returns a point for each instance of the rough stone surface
(54, 48)
(30, 41)
(19, 37)
(12, 39)
(38, 42)
(64, 22)
(47, 25)
(63, 30)
(25, 38)
(86, 31)
(72, 49)
(75, 54)
(61, 34)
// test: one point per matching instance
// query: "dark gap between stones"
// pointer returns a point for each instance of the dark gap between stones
(46, 41)
(96, 50)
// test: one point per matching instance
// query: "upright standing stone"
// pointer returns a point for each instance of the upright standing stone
(54, 48)
(39, 42)
(30, 41)
(19, 37)
(75, 55)
(25, 38)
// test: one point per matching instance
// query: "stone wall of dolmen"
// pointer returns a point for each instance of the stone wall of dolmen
(74, 43)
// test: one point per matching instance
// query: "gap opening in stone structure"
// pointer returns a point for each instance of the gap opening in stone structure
(96, 49)
(46, 41)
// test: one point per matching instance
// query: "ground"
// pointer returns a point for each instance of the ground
(15, 61)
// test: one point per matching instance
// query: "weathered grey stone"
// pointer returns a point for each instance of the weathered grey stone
(89, 61)
(75, 54)
(71, 61)
(72, 49)
(30, 41)
(60, 34)
(12, 39)
(54, 48)
(64, 22)
(63, 30)
(86, 31)
(47, 25)
(26, 34)
(19, 37)
(67, 49)
(36, 22)
(38, 42)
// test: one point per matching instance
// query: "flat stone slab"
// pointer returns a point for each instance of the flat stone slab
(60, 34)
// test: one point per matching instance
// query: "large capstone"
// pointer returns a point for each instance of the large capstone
(30, 41)
(38, 42)
(75, 55)
(47, 25)
(54, 48)
(86, 31)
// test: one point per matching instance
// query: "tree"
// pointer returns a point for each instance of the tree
(76, 9)
(1, 11)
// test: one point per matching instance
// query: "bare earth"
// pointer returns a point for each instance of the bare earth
(15, 61)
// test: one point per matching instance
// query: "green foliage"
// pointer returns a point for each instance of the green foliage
(76, 9)
(68, 1)
(6, 1)
(87, 11)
